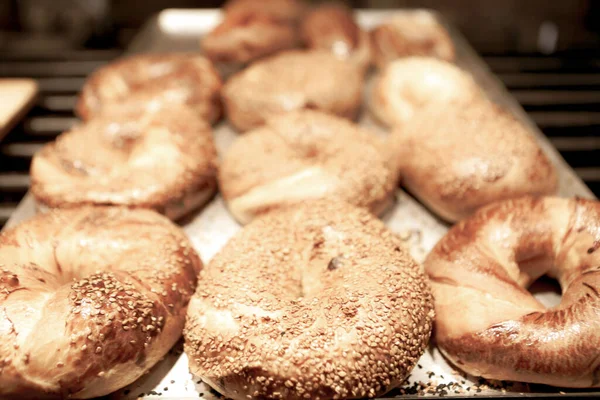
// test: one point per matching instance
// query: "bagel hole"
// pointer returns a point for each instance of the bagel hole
(546, 290)
(535, 264)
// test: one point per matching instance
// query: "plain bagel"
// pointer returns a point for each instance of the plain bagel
(318, 301)
(457, 159)
(293, 80)
(289, 11)
(90, 299)
(481, 269)
(248, 32)
(332, 27)
(162, 159)
(159, 79)
(406, 86)
(411, 33)
(305, 155)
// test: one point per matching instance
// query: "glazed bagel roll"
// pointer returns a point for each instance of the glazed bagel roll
(332, 27)
(289, 81)
(458, 159)
(90, 299)
(483, 267)
(162, 159)
(318, 301)
(305, 155)
(411, 33)
(158, 79)
(406, 86)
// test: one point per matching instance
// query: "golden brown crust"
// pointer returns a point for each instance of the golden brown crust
(332, 27)
(159, 79)
(90, 299)
(289, 11)
(482, 268)
(415, 33)
(289, 81)
(315, 301)
(460, 158)
(241, 38)
(406, 86)
(248, 32)
(162, 159)
(302, 155)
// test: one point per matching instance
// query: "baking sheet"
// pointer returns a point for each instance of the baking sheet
(211, 227)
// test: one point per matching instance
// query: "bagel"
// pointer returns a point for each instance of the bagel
(482, 268)
(458, 159)
(317, 301)
(406, 86)
(289, 11)
(304, 155)
(90, 299)
(290, 81)
(412, 33)
(248, 32)
(241, 38)
(161, 79)
(332, 27)
(161, 159)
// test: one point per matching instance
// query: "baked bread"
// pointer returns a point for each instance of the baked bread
(305, 155)
(482, 268)
(157, 79)
(411, 33)
(164, 159)
(458, 159)
(289, 81)
(332, 27)
(289, 11)
(406, 86)
(248, 31)
(90, 299)
(317, 301)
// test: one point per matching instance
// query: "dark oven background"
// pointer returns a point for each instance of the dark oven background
(546, 52)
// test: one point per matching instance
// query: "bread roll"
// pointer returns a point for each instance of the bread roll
(90, 299)
(457, 159)
(317, 301)
(481, 270)
(290, 81)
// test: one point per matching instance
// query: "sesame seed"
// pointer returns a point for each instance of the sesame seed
(276, 286)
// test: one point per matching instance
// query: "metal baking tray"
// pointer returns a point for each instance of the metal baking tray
(210, 227)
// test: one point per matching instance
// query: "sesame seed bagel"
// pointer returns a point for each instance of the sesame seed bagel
(407, 85)
(332, 27)
(161, 159)
(159, 79)
(457, 159)
(317, 301)
(411, 33)
(482, 268)
(289, 81)
(90, 299)
(305, 155)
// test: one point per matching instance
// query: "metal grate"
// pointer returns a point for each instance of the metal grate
(60, 76)
(560, 92)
